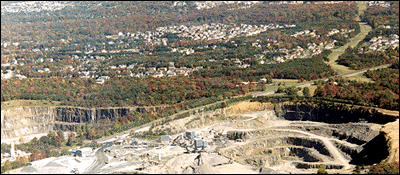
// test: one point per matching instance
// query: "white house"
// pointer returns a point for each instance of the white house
(84, 152)
(100, 81)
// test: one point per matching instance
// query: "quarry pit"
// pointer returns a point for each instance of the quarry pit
(253, 137)
(261, 138)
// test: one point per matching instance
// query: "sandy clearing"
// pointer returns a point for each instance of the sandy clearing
(143, 129)
(26, 138)
(236, 168)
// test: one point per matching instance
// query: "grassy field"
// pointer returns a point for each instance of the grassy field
(277, 94)
(364, 29)
(270, 88)
(360, 78)
(362, 6)
(19, 103)
(312, 89)
(353, 43)
(288, 82)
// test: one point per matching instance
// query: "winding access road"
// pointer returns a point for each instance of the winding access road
(101, 158)
(332, 148)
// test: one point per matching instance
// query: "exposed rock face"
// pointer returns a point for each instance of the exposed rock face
(22, 121)
(357, 133)
(245, 106)
(287, 111)
(391, 134)
(356, 142)
(206, 118)
(276, 148)
(329, 114)
(193, 121)
(367, 137)
(348, 151)
(90, 115)
(244, 135)
(113, 113)
(25, 120)
(63, 127)
(273, 156)
(26, 130)
(73, 115)
(307, 165)
(386, 141)
(19, 117)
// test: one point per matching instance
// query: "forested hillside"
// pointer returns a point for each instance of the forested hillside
(383, 92)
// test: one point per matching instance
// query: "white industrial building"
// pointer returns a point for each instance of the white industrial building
(165, 138)
(84, 152)
(200, 143)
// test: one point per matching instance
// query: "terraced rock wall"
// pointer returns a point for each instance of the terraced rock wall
(360, 144)
(26, 120)
(21, 121)
(329, 114)
(356, 133)
(270, 151)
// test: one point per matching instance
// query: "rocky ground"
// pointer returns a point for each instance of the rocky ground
(255, 140)
(391, 133)
(251, 138)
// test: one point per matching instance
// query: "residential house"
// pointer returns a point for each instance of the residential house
(170, 74)
(360, 50)
(162, 69)
(20, 76)
(158, 75)
(100, 81)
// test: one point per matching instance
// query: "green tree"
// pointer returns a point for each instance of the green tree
(50, 135)
(71, 140)
(385, 98)
(281, 89)
(385, 168)
(64, 152)
(291, 90)
(61, 134)
(91, 134)
(269, 80)
(116, 127)
(44, 140)
(306, 92)
(94, 144)
(320, 91)
(78, 130)
(7, 166)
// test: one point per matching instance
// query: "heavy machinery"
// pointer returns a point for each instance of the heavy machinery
(190, 143)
